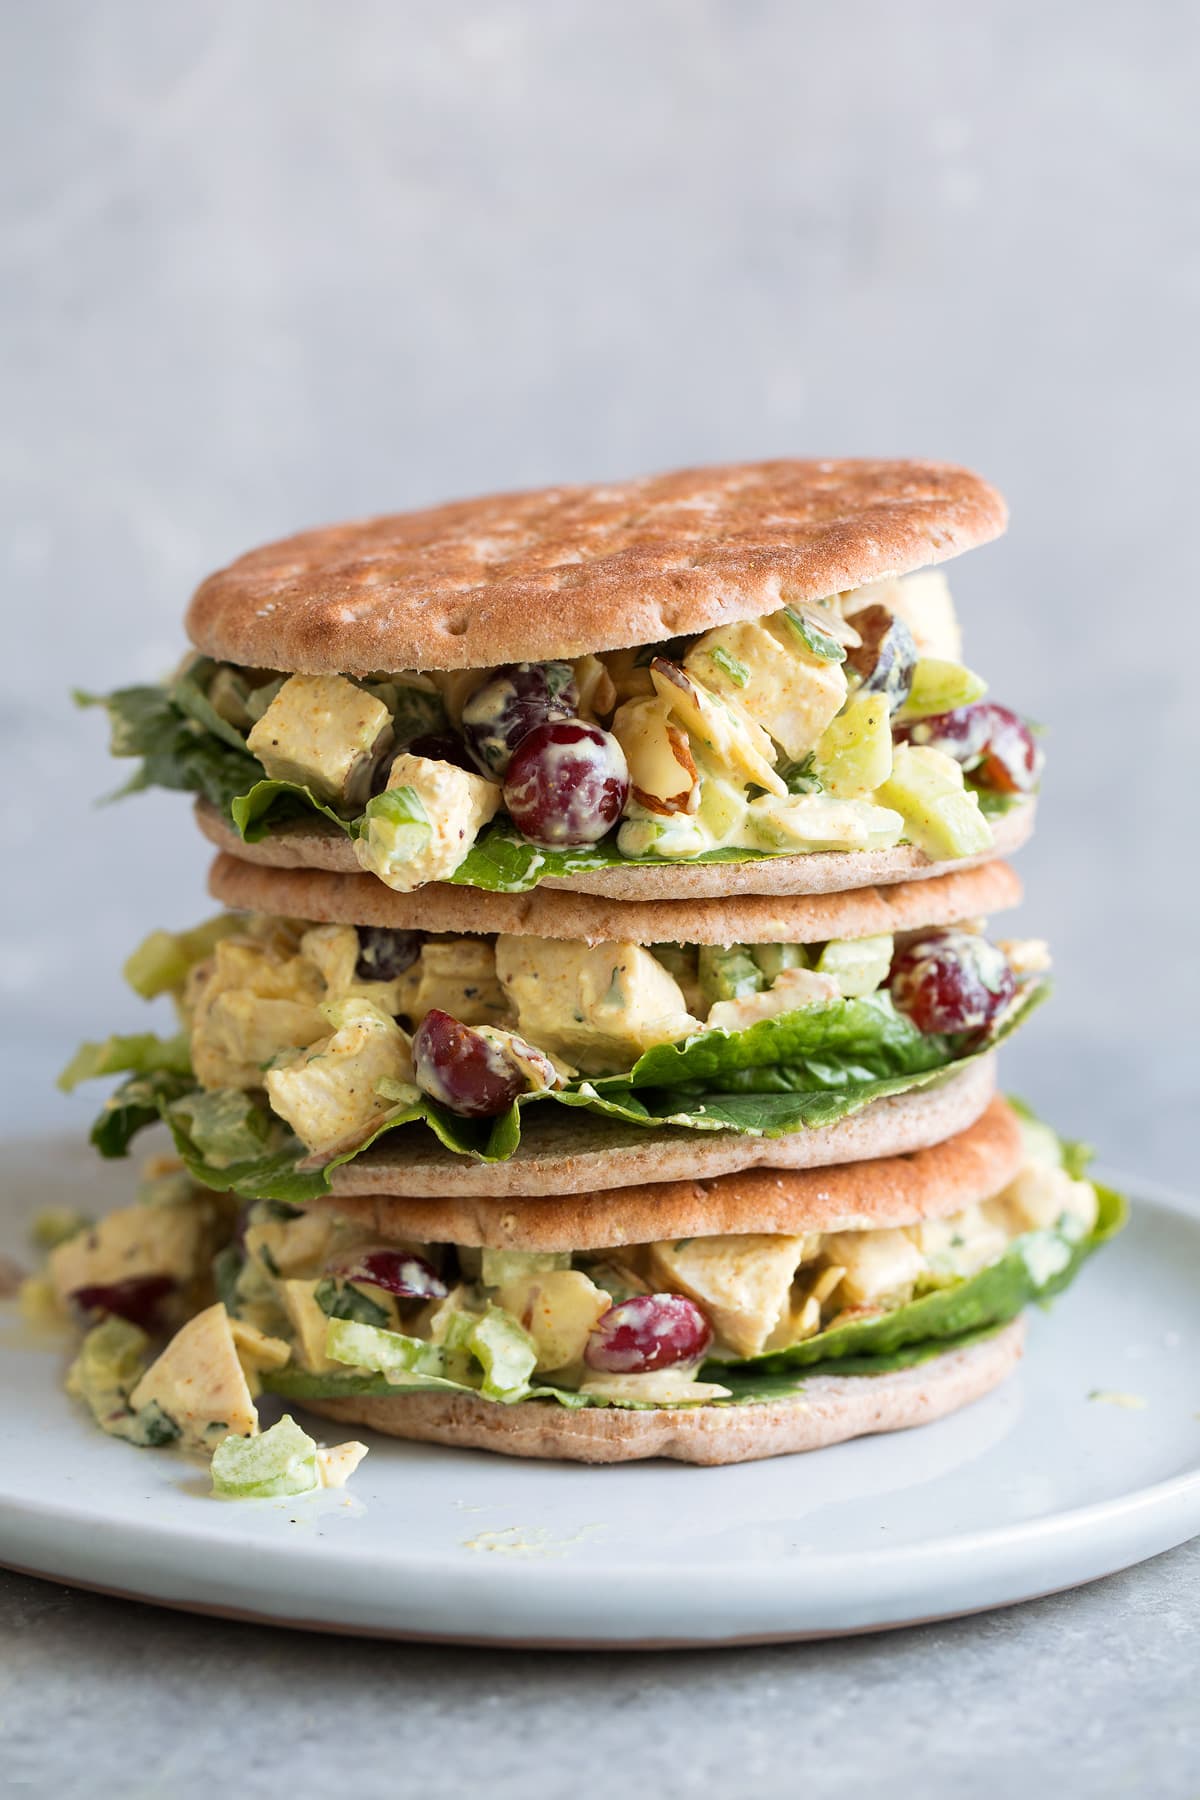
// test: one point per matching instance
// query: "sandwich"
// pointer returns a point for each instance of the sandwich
(735, 680)
(336, 1036)
(707, 1320)
(594, 1055)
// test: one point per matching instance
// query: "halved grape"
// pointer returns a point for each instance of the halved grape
(951, 981)
(460, 1067)
(384, 954)
(399, 1272)
(442, 746)
(648, 1331)
(138, 1298)
(566, 784)
(995, 746)
(434, 746)
(518, 697)
(887, 656)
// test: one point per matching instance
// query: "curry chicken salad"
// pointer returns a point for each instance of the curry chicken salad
(194, 1303)
(844, 724)
(300, 1044)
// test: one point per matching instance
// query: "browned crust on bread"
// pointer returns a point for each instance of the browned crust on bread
(567, 570)
(564, 1151)
(320, 845)
(360, 899)
(973, 1165)
(831, 1409)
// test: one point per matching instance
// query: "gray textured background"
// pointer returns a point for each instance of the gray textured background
(272, 263)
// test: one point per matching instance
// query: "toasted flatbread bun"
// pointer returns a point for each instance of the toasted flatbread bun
(831, 1409)
(973, 1165)
(320, 845)
(327, 898)
(564, 1151)
(568, 570)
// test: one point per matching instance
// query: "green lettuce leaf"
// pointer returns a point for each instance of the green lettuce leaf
(138, 1102)
(832, 1045)
(267, 803)
(176, 751)
(504, 862)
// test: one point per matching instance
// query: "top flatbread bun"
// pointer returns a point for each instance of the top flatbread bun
(567, 570)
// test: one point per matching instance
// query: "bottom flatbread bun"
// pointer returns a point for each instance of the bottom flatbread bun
(891, 1191)
(571, 1152)
(318, 845)
(830, 1409)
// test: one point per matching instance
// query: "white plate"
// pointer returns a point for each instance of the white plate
(1036, 1488)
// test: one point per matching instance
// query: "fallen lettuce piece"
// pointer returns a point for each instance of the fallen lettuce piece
(269, 1466)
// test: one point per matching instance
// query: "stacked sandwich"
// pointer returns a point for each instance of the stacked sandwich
(594, 1055)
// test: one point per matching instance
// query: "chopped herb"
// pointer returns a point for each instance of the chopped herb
(737, 671)
(815, 639)
(342, 1300)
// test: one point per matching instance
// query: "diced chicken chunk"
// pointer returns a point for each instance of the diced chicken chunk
(131, 1244)
(423, 832)
(199, 1383)
(742, 1283)
(559, 1308)
(329, 1096)
(762, 667)
(961, 1245)
(818, 822)
(458, 976)
(597, 1005)
(325, 733)
(881, 1267)
(249, 1002)
(1041, 1196)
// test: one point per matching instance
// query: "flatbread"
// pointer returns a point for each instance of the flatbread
(565, 1151)
(326, 898)
(320, 845)
(567, 570)
(831, 1409)
(973, 1165)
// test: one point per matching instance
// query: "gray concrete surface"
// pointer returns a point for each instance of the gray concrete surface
(1091, 1694)
(271, 263)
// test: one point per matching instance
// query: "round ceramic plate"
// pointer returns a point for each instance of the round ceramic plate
(1087, 1461)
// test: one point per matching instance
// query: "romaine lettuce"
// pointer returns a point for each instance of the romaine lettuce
(229, 1140)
